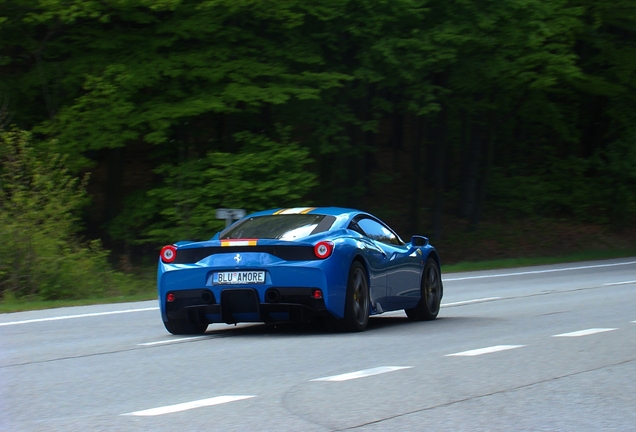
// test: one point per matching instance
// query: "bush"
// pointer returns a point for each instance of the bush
(42, 255)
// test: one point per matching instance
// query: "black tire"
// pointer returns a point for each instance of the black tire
(356, 316)
(432, 290)
(193, 325)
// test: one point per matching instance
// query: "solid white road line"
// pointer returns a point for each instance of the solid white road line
(444, 305)
(77, 316)
(487, 350)
(362, 373)
(459, 303)
(188, 405)
(65, 317)
(170, 341)
(539, 271)
(465, 302)
(584, 332)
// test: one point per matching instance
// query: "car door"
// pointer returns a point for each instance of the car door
(402, 263)
(376, 258)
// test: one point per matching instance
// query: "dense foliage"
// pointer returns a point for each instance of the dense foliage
(262, 172)
(42, 256)
(178, 107)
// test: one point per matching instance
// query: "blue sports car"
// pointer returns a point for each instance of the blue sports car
(298, 264)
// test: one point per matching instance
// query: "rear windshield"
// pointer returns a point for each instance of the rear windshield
(282, 227)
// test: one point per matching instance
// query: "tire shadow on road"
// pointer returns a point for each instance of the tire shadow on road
(377, 323)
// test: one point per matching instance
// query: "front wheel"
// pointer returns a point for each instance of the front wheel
(356, 315)
(431, 290)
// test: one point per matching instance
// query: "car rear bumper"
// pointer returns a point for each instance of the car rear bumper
(284, 277)
(235, 305)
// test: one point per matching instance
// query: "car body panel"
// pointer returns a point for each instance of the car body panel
(403, 280)
(393, 271)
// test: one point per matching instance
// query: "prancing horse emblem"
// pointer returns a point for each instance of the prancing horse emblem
(238, 259)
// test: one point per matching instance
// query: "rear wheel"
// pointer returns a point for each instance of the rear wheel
(356, 315)
(431, 289)
(192, 325)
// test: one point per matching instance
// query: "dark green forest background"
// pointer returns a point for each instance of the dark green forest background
(135, 119)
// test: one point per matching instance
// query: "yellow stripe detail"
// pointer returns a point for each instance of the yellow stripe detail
(238, 242)
(308, 210)
(279, 211)
(296, 210)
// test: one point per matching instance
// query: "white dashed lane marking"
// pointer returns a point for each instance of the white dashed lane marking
(584, 332)
(362, 373)
(188, 406)
(620, 283)
(482, 351)
(465, 302)
(170, 341)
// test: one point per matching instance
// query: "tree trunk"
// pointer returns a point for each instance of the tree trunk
(482, 182)
(439, 171)
(397, 137)
(114, 183)
(415, 136)
(470, 168)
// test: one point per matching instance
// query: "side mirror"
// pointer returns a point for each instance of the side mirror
(419, 241)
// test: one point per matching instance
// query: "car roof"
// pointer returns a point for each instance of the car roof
(343, 215)
(329, 211)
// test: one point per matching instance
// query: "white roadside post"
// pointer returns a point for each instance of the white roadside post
(230, 215)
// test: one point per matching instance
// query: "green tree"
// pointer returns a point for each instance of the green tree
(262, 174)
(474, 100)
(42, 255)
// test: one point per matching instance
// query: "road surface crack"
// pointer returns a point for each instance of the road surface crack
(485, 395)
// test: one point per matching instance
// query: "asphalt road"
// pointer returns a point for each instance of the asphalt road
(538, 349)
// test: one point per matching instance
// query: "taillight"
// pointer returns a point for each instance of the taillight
(323, 249)
(168, 254)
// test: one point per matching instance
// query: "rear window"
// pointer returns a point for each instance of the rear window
(282, 227)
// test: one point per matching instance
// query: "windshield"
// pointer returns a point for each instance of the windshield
(282, 227)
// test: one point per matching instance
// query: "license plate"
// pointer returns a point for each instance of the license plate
(239, 278)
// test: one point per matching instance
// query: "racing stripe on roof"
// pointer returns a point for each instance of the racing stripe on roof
(295, 210)
(279, 211)
(239, 242)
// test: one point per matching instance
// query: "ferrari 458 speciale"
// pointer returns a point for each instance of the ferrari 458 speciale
(298, 264)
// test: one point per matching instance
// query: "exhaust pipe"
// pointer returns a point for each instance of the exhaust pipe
(272, 296)
(206, 297)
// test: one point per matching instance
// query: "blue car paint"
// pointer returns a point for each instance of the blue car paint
(394, 272)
